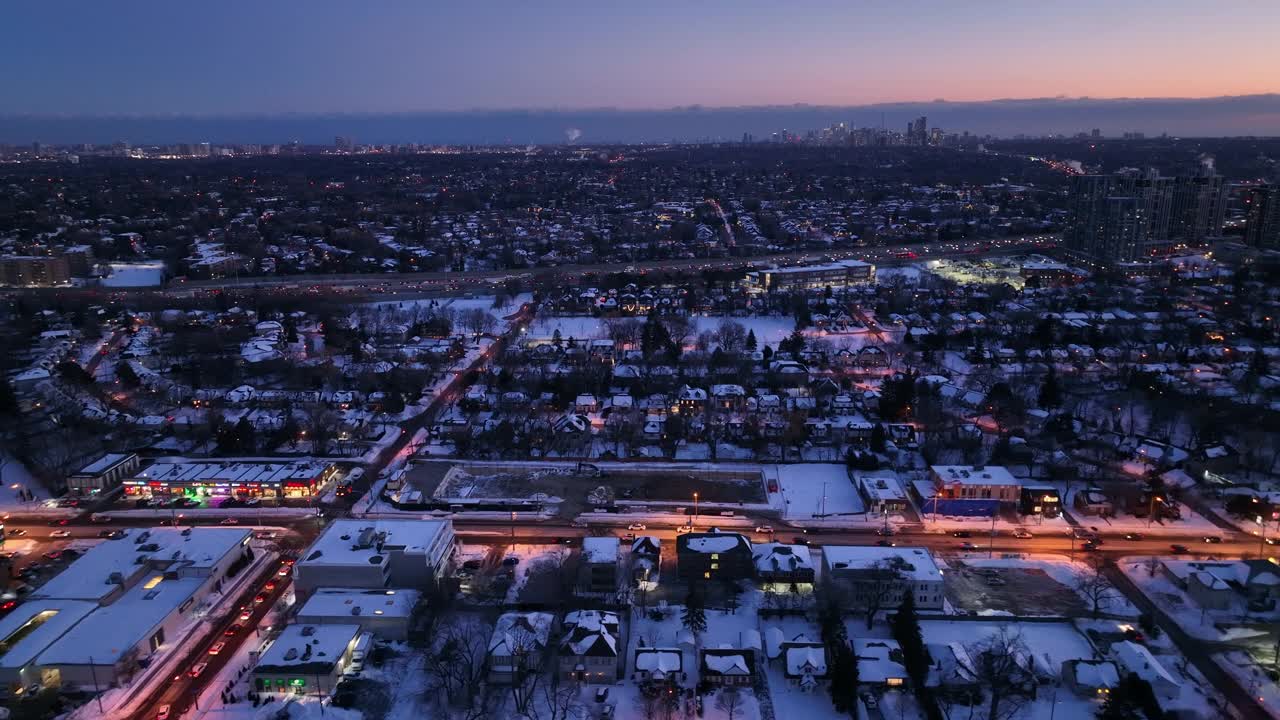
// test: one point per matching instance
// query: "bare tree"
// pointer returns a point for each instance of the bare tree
(730, 702)
(558, 701)
(456, 663)
(1094, 586)
(657, 702)
(878, 584)
(1000, 665)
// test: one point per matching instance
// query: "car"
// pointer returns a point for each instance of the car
(1213, 539)
(264, 535)
(229, 521)
(472, 564)
(217, 647)
(869, 700)
(637, 526)
(886, 543)
(60, 534)
(271, 585)
(685, 529)
(1179, 549)
(197, 670)
(1022, 534)
(60, 522)
(259, 599)
(885, 532)
(511, 561)
(8, 605)
(99, 519)
(968, 546)
(232, 630)
(1089, 546)
(1133, 635)
(578, 524)
(163, 713)
(1273, 541)
(765, 529)
(246, 614)
(52, 555)
(17, 532)
(961, 534)
(602, 694)
(1133, 536)
(800, 540)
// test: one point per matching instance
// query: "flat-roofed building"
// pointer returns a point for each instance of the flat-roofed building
(353, 553)
(881, 576)
(384, 613)
(810, 277)
(306, 659)
(236, 478)
(105, 473)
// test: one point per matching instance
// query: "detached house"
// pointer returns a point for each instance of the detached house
(518, 645)
(589, 647)
(785, 564)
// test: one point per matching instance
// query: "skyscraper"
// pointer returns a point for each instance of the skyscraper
(1135, 216)
(1262, 214)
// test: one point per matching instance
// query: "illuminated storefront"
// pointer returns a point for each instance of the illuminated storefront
(197, 479)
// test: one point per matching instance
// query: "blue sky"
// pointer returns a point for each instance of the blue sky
(277, 56)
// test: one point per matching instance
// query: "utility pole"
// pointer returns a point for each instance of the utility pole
(96, 691)
(991, 541)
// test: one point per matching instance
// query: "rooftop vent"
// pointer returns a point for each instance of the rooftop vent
(308, 631)
(291, 654)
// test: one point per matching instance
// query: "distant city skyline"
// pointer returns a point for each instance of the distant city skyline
(157, 58)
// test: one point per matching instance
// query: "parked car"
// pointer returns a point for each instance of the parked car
(1179, 549)
(1022, 534)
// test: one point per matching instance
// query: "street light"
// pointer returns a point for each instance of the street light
(695, 512)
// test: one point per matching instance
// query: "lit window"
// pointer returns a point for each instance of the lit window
(153, 582)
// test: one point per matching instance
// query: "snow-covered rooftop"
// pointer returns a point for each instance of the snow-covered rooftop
(980, 475)
(918, 562)
(341, 542)
(327, 645)
(37, 625)
(341, 602)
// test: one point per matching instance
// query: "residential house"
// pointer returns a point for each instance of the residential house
(519, 645)
(727, 666)
(783, 564)
(646, 560)
(659, 665)
(1090, 678)
(600, 564)
(879, 663)
(1133, 658)
(589, 647)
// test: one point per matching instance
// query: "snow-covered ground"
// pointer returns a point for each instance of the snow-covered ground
(1216, 625)
(17, 479)
(142, 274)
(1068, 573)
(1252, 678)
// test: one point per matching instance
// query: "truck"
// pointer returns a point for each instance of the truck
(359, 653)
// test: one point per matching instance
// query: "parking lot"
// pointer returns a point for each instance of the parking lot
(1020, 591)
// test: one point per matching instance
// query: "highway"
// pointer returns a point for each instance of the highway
(479, 280)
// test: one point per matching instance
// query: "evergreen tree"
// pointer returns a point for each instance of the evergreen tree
(878, 438)
(556, 338)
(844, 685)
(1050, 393)
(694, 616)
(8, 399)
(906, 630)
(751, 341)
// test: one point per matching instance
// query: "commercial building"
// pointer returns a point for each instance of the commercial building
(27, 630)
(306, 659)
(374, 554)
(119, 603)
(105, 473)
(836, 275)
(248, 479)
(881, 576)
(383, 613)
(971, 490)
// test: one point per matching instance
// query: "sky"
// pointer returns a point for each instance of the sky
(150, 57)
